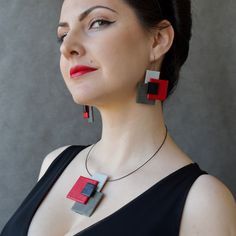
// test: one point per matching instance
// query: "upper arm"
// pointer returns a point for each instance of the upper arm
(210, 209)
(49, 159)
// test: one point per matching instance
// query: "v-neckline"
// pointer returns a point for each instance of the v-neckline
(136, 199)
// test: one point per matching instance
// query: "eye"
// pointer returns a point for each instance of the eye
(100, 22)
(60, 39)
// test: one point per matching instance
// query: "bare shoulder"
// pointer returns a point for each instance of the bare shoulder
(47, 161)
(210, 209)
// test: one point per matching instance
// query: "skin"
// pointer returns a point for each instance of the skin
(122, 52)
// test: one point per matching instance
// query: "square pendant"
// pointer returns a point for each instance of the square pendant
(87, 193)
(76, 191)
(88, 209)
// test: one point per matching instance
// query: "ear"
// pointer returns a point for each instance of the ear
(162, 39)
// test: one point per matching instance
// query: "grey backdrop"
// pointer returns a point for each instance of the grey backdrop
(38, 115)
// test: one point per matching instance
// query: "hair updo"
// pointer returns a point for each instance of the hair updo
(178, 13)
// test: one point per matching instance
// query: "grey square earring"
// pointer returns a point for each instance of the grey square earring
(144, 86)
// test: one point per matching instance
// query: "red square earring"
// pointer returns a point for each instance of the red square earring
(157, 89)
(152, 89)
(88, 113)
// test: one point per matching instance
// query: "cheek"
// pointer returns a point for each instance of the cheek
(63, 67)
(124, 58)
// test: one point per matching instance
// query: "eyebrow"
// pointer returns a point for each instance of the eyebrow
(83, 15)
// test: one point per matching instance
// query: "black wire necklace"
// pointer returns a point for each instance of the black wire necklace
(86, 192)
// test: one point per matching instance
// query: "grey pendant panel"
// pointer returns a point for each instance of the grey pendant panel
(88, 209)
(101, 178)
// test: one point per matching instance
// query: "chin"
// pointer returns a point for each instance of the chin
(78, 100)
(82, 100)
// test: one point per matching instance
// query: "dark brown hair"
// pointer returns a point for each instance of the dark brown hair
(178, 13)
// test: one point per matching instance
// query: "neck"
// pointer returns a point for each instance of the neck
(131, 134)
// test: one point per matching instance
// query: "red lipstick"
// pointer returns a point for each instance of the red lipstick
(78, 70)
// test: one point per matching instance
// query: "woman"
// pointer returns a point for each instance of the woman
(135, 180)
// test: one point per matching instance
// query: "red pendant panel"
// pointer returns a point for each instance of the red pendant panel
(75, 192)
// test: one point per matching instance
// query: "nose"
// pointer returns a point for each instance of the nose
(71, 46)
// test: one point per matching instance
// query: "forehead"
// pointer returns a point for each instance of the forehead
(79, 6)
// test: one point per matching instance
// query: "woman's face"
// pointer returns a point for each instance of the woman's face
(120, 50)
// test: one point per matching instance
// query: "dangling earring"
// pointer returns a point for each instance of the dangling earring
(88, 113)
(88, 110)
(152, 88)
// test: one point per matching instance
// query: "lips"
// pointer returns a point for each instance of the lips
(80, 70)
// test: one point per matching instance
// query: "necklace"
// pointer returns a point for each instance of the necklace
(86, 192)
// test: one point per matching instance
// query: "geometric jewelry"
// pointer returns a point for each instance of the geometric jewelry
(152, 89)
(87, 193)
(148, 92)
(88, 113)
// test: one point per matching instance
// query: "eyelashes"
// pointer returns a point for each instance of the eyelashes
(104, 22)
(60, 39)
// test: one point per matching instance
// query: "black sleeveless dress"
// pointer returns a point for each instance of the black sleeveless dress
(157, 211)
